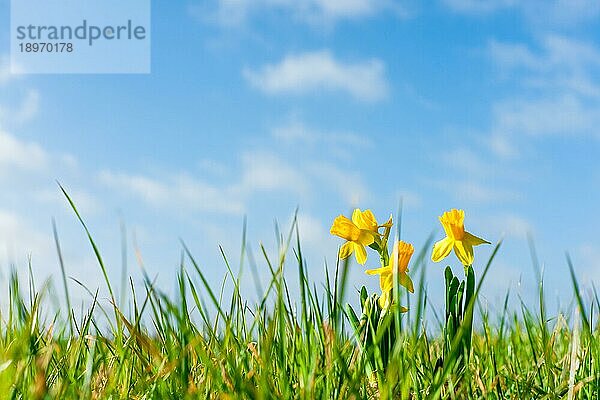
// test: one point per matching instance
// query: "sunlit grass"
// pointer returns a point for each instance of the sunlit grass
(203, 343)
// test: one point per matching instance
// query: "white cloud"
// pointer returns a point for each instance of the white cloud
(502, 146)
(261, 172)
(26, 166)
(174, 191)
(512, 55)
(320, 71)
(9, 70)
(564, 115)
(21, 154)
(296, 132)
(561, 64)
(588, 261)
(233, 13)
(478, 7)
(268, 172)
(18, 240)
(562, 12)
(24, 112)
(350, 185)
(538, 12)
(345, 8)
(475, 191)
(560, 90)
(474, 174)
(86, 203)
(23, 241)
(5, 75)
(468, 162)
(511, 225)
(339, 144)
(314, 234)
(30, 171)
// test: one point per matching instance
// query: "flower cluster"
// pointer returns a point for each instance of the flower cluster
(364, 231)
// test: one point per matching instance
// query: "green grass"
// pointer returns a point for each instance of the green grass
(200, 344)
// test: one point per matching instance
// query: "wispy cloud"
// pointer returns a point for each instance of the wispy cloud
(564, 115)
(561, 63)
(9, 70)
(350, 185)
(265, 171)
(539, 12)
(477, 192)
(30, 171)
(340, 144)
(474, 173)
(588, 262)
(175, 191)
(468, 162)
(502, 146)
(314, 233)
(27, 173)
(16, 235)
(5, 74)
(511, 225)
(233, 13)
(262, 172)
(295, 131)
(320, 71)
(23, 112)
(16, 112)
(478, 7)
(558, 86)
(16, 153)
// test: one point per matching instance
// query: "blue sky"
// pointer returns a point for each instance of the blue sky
(256, 107)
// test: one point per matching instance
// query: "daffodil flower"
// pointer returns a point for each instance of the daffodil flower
(456, 238)
(399, 260)
(359, 232)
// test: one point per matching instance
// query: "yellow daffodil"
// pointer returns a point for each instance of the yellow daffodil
(359, 232)
(456, 238)
(399, 260)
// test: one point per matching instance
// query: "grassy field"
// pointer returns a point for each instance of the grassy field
(201, 343)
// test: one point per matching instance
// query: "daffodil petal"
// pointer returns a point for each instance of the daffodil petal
(377, 271)
(360, 253)
(464, 252)
(364, 220)
(346, 249)
(474, 240)
(404, 280)
(356, 216)
(365, 237)
(344, 228)
(441, 249)
(386, 281)
(384, 299)
(369, 221)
